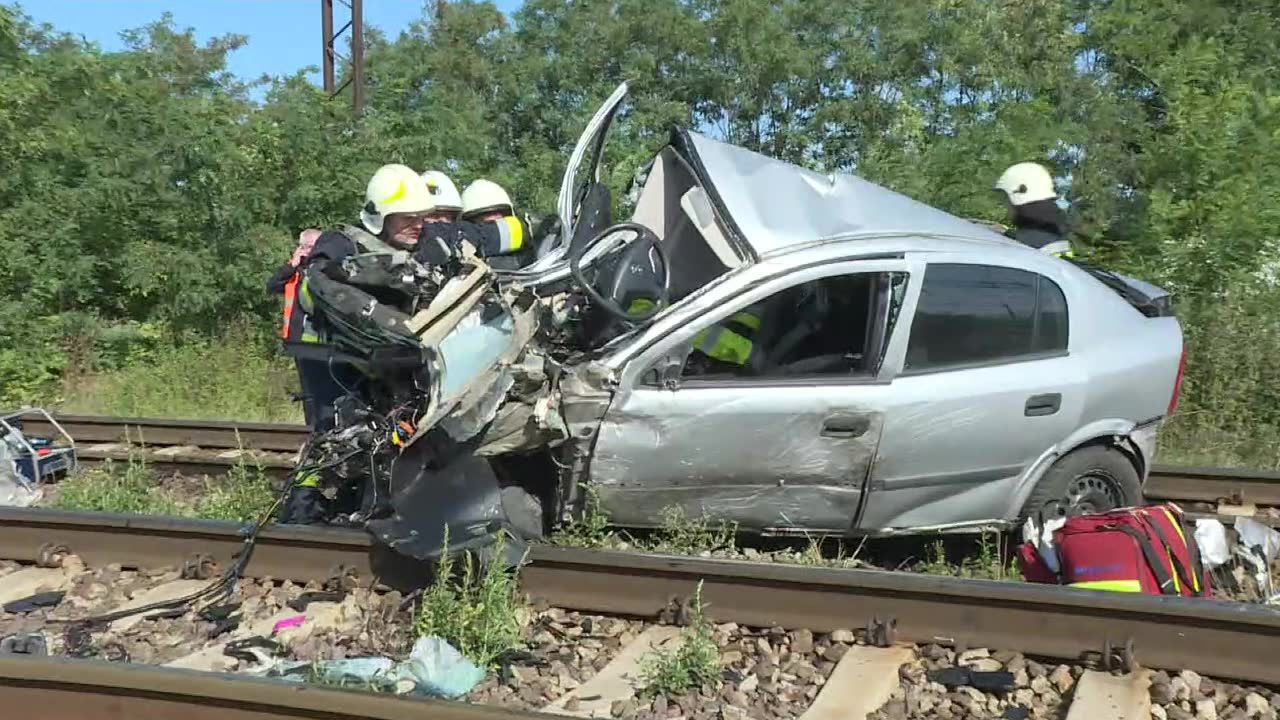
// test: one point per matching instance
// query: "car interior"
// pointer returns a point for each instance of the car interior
(835, 326)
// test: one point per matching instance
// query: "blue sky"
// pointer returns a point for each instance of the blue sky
(284, 35)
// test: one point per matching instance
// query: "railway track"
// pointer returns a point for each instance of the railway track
(209, 447)
(1226, 639)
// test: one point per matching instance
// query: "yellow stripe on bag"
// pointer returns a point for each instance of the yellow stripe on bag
(1109, 585)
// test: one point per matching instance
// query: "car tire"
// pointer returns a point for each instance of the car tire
(1091, 479)
(524, 512)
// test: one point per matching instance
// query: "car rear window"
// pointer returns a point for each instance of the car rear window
(980, 314)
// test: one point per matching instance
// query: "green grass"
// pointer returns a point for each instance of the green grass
(244, 494)
(692, 663)
(236, 377)
(131, 487)
(476, 610)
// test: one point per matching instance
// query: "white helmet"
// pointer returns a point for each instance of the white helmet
(1026, 182)
(483, 196)
(443, 191)
(393, 189)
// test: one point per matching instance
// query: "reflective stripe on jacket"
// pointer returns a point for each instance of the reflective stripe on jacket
(730, 341)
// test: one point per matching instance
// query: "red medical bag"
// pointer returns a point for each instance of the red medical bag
(1143, 549)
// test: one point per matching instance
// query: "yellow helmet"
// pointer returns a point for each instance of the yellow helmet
(483, 196)
(393, 189)
(443, 192)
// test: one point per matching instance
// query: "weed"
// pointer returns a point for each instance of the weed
(244, 494)
(592, 530)
(681, 535)
(986, 563)
(476, 610)
(692, 663)
(103, 489)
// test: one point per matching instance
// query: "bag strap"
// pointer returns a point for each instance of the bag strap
(1178, 567)
(1163, 578)
(1188, 535)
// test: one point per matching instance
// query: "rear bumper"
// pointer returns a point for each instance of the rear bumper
(1144, 437)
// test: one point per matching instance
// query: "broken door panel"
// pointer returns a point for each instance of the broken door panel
(768, 458)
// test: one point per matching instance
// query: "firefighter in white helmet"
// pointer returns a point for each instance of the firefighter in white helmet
(444, 194)
(1037, 220)
(488, 222)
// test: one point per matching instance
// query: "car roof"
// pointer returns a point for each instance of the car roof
(775, 205)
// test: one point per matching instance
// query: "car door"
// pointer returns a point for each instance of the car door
(987, 386)
(774, 450)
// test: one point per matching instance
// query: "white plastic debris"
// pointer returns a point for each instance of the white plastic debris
(15, 491)
(434, 668)
(1254, 534)
(439, 669)
(1259, 545)
(1042, 540)
(1211, 536)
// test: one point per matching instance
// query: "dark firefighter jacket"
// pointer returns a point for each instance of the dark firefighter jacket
(504, 243)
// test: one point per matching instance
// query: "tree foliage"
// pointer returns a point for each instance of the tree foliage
(146, 188)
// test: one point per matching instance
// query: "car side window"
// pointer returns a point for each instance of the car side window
(978, 314)
(831, 326)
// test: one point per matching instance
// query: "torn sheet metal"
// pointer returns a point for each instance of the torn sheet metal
(752, 186)
(472, 363)
(438, 487)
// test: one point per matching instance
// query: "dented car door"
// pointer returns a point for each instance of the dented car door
(774, 450)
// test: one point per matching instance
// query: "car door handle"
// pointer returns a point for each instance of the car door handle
(845, 426)
(1039, 405)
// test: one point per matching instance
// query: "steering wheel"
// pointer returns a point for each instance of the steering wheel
(630, 262)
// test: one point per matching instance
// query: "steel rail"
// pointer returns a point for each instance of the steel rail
(1222, 639)
(1232, 485)
(60, 688)
(166, 431)
(1166, 482)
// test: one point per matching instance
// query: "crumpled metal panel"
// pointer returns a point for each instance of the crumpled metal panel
(777, 205)
(760, 458)
(815, 508)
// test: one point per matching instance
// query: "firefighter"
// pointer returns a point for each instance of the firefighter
(1037, 220)
(502, 233)
(488, 222)
(397, 203)
(294, 324)
(447, 201)
(729, 344)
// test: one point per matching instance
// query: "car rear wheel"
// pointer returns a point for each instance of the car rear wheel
(1089, 480)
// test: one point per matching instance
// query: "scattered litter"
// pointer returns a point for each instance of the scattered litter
(440, 670)
(31, 603)
(24, 644)
(1211, 536)
(1041, 538)
(1259, 546)
(289, 622)
(987, 681)
(301, 602)
(255, 649)
(434, 668)
(1254, 534)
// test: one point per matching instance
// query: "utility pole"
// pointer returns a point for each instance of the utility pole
(355, 78)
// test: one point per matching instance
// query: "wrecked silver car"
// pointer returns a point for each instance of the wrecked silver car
(891, 368)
